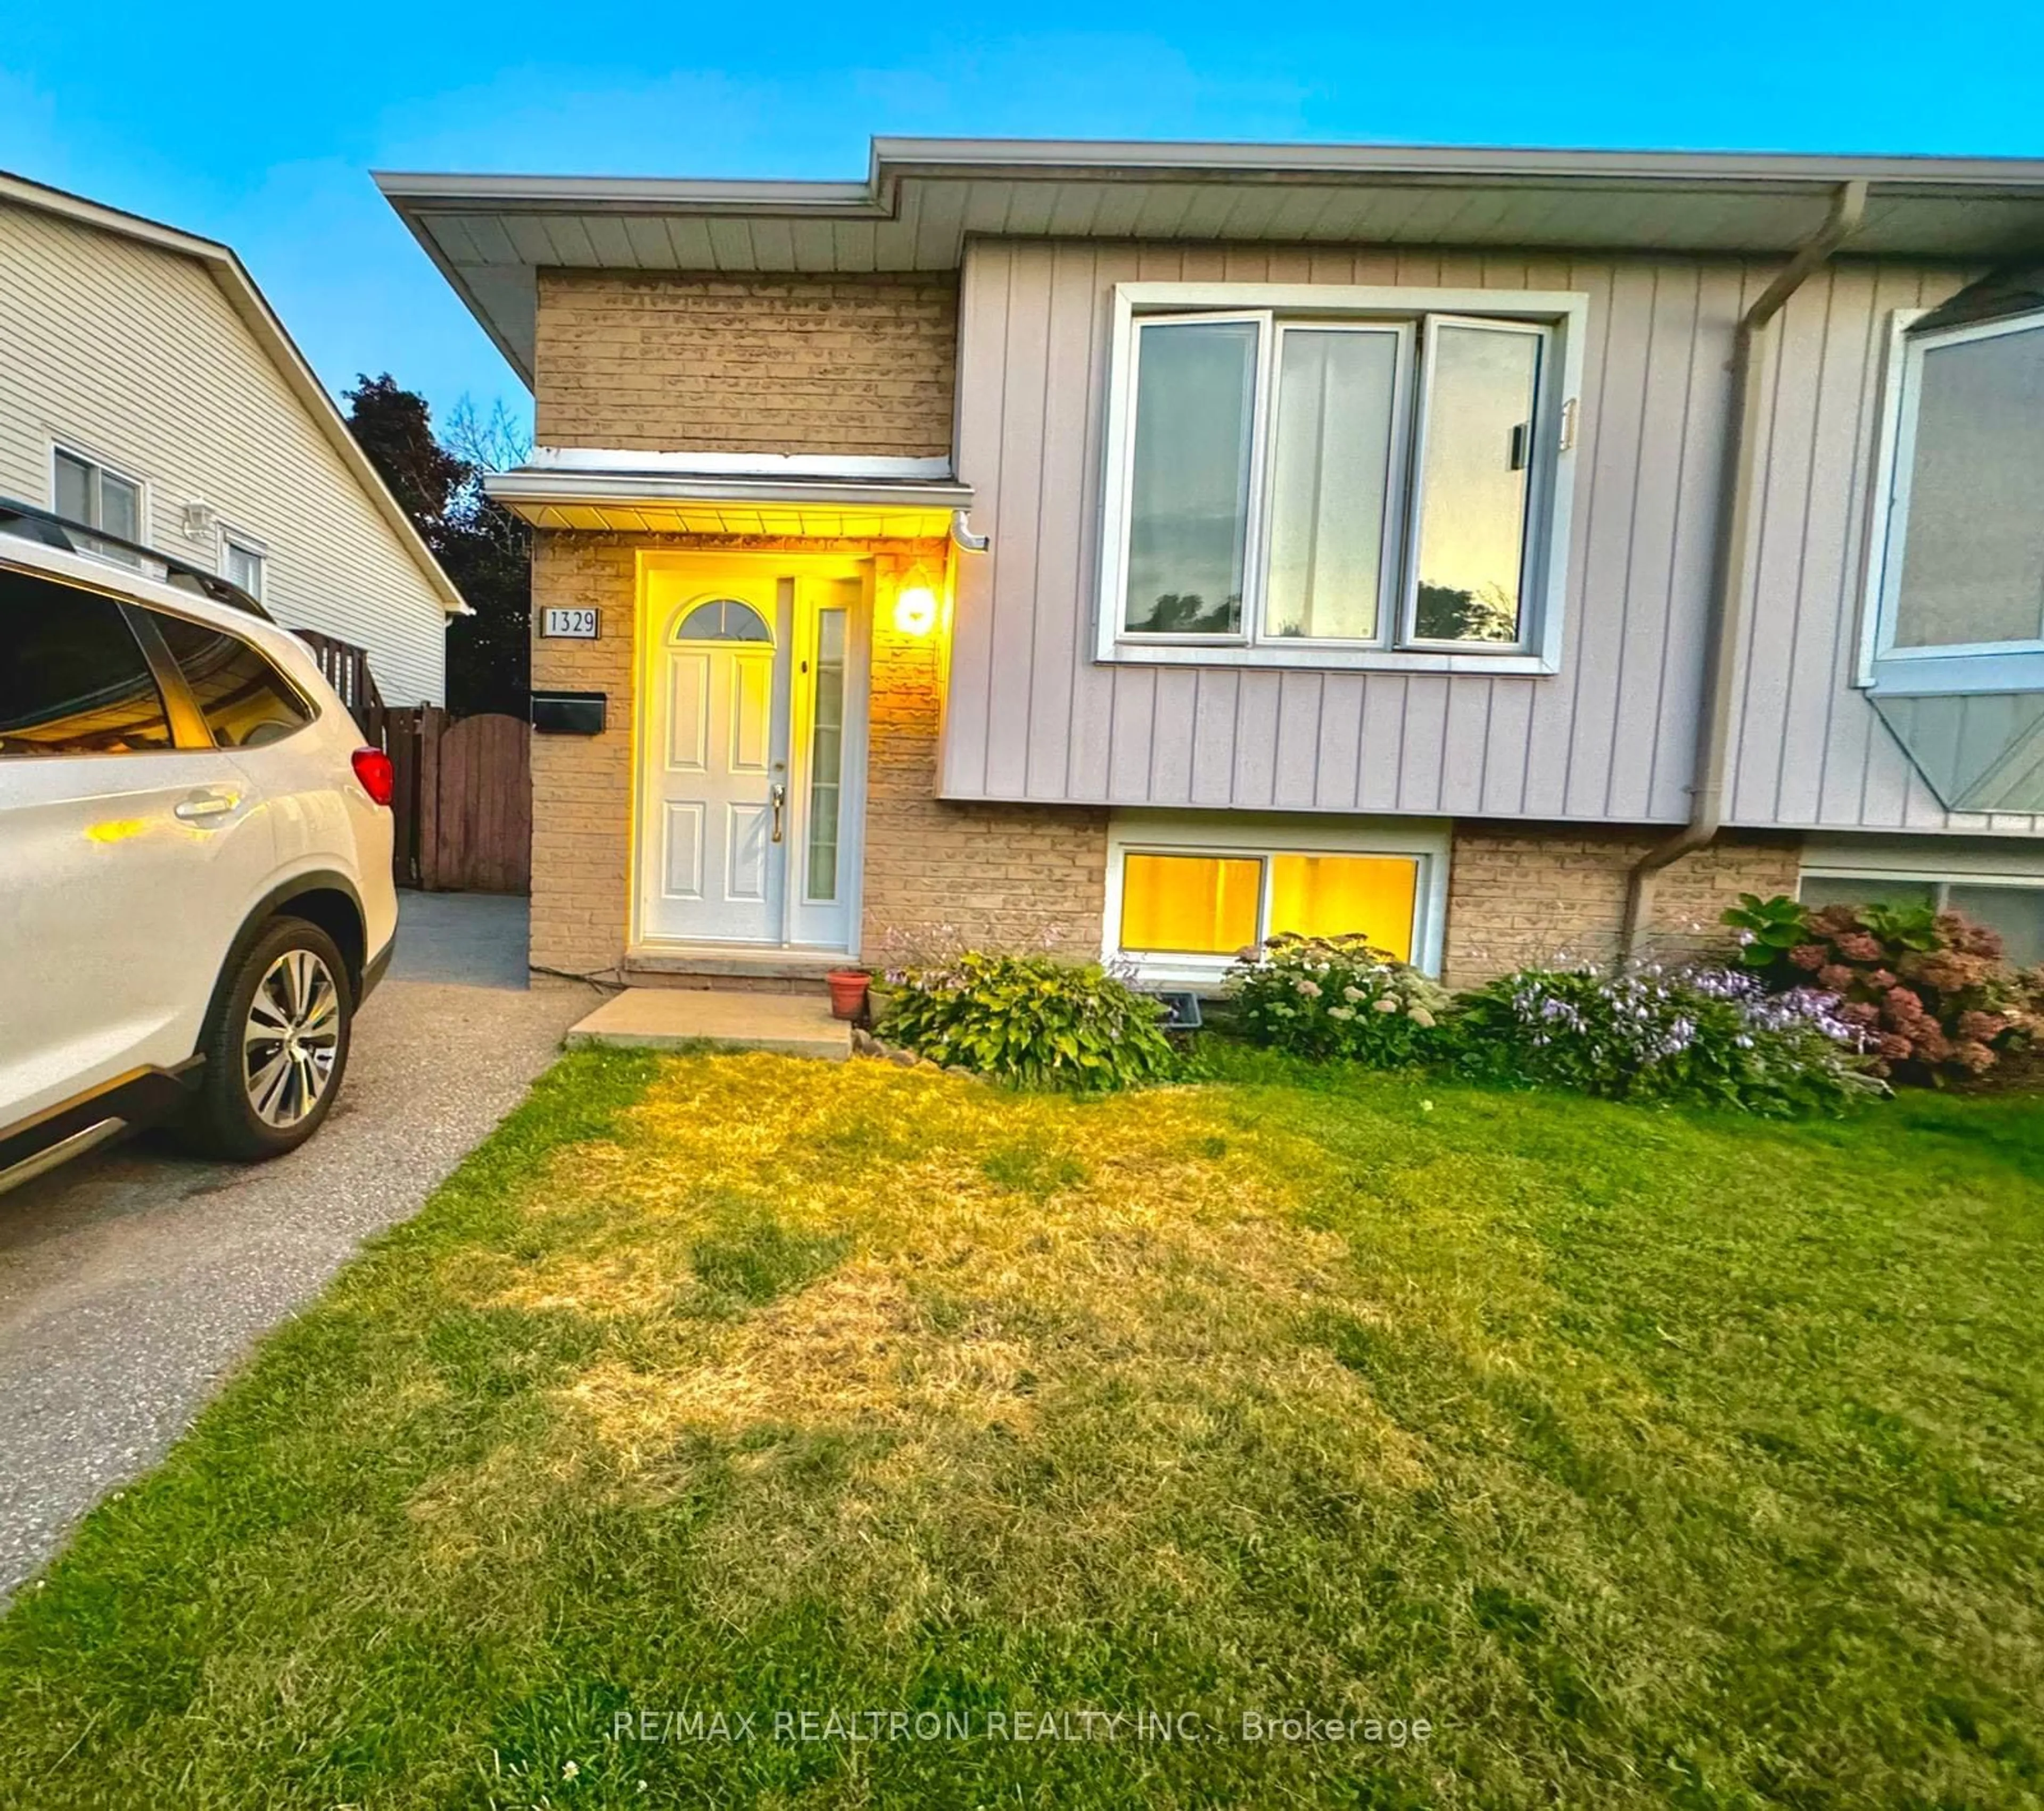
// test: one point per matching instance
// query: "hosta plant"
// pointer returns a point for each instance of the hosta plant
(1707, 1037)
(1031, 1020)
(1337, 997)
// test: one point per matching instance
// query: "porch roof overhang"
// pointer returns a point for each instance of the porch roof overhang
(797, 500)
(923, 199)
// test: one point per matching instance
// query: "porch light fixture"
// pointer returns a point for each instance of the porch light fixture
(915, 609)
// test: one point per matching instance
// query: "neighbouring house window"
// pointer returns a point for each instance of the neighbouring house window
(1959, 576)
(1215, 904)
(826, 758)
(2015, 909)
(1308, 488)
(86, 492)
(243, 566)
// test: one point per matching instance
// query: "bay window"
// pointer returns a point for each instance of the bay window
(1337, 477)
(1956, 586)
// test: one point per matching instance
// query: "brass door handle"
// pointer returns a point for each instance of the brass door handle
(780, 800)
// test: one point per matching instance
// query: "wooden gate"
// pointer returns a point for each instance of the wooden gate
(464, 798)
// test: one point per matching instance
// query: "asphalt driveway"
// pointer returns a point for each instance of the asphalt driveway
(133, 1281)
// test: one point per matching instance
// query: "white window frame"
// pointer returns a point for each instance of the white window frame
(1562, 314)
(1958, 667)
(253, 549)
(85, 455)
(1239, 834)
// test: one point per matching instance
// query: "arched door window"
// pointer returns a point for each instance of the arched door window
(724, 619)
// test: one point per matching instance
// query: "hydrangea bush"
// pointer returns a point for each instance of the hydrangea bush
(1338, 998)
(1929, 991)
(1031, 1020)
(1707, 1037)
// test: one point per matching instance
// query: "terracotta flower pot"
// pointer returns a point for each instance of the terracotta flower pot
(847, 991)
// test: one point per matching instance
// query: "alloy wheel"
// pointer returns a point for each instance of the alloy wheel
(292, 1038)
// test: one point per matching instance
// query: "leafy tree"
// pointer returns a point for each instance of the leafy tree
(485, 549)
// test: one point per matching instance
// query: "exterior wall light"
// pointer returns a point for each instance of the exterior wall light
(915, 610)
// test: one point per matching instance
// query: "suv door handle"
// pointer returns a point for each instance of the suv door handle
(205, 805)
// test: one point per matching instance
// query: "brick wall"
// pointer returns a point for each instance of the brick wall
(1526, 894)
(940, 875)
(582, 785)
(695, 363)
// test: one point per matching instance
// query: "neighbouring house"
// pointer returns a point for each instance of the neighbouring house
(1140, 549)
(147, 389)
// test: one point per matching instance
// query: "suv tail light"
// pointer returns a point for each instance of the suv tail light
(379, 777)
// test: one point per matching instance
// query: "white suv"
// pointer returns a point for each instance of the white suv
(195, 882)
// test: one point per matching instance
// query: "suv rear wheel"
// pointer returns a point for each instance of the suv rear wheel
(276, 1047)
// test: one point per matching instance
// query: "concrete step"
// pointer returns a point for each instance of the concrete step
(666, 1018)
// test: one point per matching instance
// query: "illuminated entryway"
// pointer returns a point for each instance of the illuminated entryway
(751, 750)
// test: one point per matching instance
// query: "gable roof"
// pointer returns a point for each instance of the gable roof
(922, 198)
(232, 280)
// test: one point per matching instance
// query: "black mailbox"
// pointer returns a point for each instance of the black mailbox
(569, 713)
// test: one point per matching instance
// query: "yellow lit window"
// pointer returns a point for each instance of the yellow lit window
(1333, 895)
(1190, 905)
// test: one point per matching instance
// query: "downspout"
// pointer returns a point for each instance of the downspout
(1728, 567)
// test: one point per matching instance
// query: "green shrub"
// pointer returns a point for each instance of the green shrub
(1031, 1020)
(1338, 998)
(1710, 1038)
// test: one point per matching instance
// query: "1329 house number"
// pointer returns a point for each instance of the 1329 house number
(576, 625)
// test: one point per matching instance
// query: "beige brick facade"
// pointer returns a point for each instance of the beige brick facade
(582, 785)
(1521, 895)
(698, 363)
(941, 876)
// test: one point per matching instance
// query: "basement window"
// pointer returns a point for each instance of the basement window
(1185, 898)
(2013, 908)
(1333, 477)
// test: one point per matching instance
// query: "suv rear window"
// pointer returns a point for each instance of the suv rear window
(74, 680)
(244, 699)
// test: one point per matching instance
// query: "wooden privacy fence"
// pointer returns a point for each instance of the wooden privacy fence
(464, 799)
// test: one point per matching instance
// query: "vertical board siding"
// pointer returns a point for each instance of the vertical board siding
(1610, 738)
(133, 354)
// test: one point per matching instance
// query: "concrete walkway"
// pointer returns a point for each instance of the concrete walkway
(132, 1281)
(664, 1018)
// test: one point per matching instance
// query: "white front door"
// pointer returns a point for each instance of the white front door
(715, 861)
(753, 760)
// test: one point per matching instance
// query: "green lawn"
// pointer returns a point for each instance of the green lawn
(1650, 1459)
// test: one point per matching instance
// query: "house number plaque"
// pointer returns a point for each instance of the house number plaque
(576, 625)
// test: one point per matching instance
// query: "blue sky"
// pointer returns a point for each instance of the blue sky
(258, 124)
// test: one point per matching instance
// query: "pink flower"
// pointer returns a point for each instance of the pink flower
(1860, 1012)
(1897, 1049)
(1881, 978)
(1902, 1003)
(1973, 1056)
(1857, 946)
(1982, 1027)
(1810, 956)
(1835, 976)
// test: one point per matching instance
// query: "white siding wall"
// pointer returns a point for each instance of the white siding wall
(133, 354)
(1609, 738)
